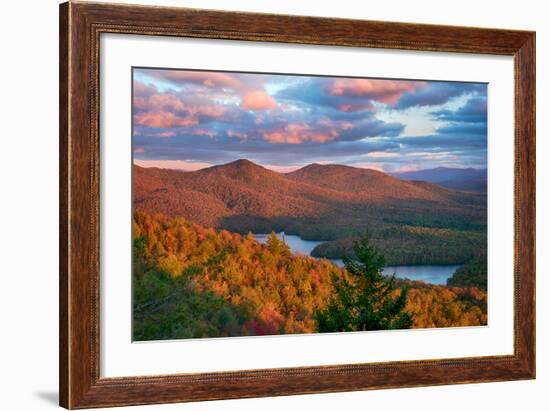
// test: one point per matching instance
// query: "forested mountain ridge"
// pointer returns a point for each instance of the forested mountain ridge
(243, 187)
(368, 184)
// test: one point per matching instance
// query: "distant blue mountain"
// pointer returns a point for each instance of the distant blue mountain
(465, 179)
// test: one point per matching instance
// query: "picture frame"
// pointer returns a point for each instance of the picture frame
(81, 25)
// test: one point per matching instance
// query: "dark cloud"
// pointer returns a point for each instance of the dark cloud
(311, 91)
(372, 128)
(474, 111)
(446, 141)
(477, 129)
(438, 93)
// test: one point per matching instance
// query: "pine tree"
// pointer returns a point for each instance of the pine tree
(369, 301)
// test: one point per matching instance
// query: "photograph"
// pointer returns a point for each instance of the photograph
(268, 204)
(275, 205)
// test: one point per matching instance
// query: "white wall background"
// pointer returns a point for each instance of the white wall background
(29, 189)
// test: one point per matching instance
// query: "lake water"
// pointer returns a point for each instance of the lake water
(433, 274)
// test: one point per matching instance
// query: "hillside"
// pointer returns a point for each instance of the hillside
(191, 282)
(317, 202)
(366, 184)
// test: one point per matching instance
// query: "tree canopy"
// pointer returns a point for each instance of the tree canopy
(193, 282)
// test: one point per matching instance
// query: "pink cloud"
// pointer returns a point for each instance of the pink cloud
(207, 133)
(351, 108)
(164, 119)
(194, 108)
(159, 102)
(143, 89)
(257, 100)
(382, 154)
(206, 78)
(383, 91)
(298, 133)
(162, 110)
(153, 133)
(251, 90)
(212, 111)
(346, 125)
(166, 134)
(172, 164)
(237, 134)
(342, 125)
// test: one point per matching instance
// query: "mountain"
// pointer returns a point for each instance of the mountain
(208, 195)
(465, 179)
(366, 184)
(242, 195)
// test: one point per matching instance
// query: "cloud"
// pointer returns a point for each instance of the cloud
(325, 130)
(290, 121)
(237, 134)
(282, 169)
(479, 129)
(352, 95)
(167, 109)
(369, 166)
(405, 168)
(382, 154)
(155, 132)
(166, 134)
(141, 89)
(427, 155)
(327, 122)
(258, 100)
(205, 78)
(473, 111)
(316, 92)
(207, 133)
(371, 128)
(298, 134)
(354, 107)
(172, 164)
(164, 119)
(446, 142)
(438, 93)
(383, 91)
(250, 87)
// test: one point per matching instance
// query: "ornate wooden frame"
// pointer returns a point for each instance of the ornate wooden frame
(80, 27)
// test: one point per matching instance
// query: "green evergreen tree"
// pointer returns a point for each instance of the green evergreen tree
(369, 301)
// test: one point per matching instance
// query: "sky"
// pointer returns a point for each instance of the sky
(189, 120)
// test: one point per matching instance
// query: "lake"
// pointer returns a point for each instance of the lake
(433, 274)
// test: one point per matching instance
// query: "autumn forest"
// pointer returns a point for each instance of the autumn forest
(191, 282)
